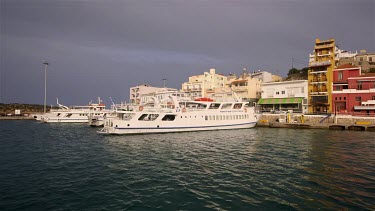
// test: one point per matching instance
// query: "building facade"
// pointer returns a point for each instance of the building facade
(245, 88)
(363, 59)
(161, 95)
(320, 77)
(137, 92)
(284, 96)
(353, 93)
(199, 85)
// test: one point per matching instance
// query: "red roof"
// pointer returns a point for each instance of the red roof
(345, 66)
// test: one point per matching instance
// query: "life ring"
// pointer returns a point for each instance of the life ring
(140, 108)
(184, 110)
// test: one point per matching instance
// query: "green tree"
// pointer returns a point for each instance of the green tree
(293, 71)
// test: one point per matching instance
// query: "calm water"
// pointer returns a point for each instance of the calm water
(70, 167)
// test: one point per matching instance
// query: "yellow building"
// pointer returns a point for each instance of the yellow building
(201, 85)
(320, 77)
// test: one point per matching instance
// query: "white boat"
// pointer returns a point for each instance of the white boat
(75, 114)
(97, 119)
(183, 116)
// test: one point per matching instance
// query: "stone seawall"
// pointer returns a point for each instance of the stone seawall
(266, 119)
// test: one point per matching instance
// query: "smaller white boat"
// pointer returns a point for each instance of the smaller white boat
(75, 114)
(97, 120)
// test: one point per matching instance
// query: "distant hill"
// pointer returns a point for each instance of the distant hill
(25, 108)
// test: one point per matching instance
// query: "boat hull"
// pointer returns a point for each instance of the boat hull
(160, 129)
(63, 120)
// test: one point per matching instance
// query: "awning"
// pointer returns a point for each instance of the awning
(293, 100)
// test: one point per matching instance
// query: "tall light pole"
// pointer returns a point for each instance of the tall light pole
(45, 85)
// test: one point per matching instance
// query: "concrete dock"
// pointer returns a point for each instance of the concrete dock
(318, 122)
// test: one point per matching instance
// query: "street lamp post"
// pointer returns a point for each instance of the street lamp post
(45, 85)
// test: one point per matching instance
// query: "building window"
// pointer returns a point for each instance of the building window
(282, 92)
(344, 98)
(370, 59)
(357, 98)
(359, 85)
(373, 97)
(277, 93)
(340, 75)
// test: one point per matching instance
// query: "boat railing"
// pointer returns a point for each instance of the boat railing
(161, 110)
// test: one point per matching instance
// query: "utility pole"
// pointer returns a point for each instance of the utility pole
(164, 82)
(45, 85)
(292, 62)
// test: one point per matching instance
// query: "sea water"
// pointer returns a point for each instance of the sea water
(71, 167)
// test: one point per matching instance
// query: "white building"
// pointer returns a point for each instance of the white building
(284, 96)
(264, 76)
(163, 96)
(137, 92)
(338, 55)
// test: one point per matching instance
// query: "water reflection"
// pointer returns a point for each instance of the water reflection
(259, 168)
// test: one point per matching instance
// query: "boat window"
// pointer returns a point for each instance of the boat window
(68, 115)
(148, 117)
(58, 114)
(237, 105)
(182, 104)
(153, 117)
(126, 117)
(168, 117)
(214, 105)
(142, 117)
(206, 117)
(247, 105)
(201, 106)
(226, 106)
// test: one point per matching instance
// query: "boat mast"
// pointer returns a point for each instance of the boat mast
(45, 85)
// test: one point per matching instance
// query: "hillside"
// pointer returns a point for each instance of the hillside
(25, 108)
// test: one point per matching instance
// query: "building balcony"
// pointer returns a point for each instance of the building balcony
(320, 64)
(319, 80)
(240, 88)
(319, 46)
(328, 54)
(364, 107)
(319, 93)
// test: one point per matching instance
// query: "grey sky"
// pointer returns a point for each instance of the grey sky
(103, 47)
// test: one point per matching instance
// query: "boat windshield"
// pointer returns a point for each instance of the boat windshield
(226, 106)
(214, 105)
(193, 105)
(237, 106)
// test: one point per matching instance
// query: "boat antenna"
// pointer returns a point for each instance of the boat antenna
(111, 100)
(236, 96)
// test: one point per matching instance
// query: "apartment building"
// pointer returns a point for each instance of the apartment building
(199, 85)
(320, 76)
(137, 92)
(284, 96)
(353, 92)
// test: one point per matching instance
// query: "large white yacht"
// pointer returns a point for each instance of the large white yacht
(75, 114)
(182, 116)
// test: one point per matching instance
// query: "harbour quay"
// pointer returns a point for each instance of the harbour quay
(304, 121)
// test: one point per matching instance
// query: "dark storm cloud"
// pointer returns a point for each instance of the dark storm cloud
(101, 48)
